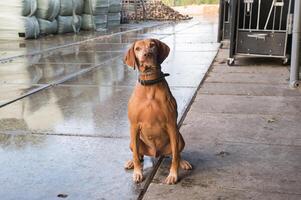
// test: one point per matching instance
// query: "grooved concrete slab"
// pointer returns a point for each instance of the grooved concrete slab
(269, 105)
(252, 168)
(116, 73)
(77, 110)
(247, 78)
(242, 137)
(248, 89)
(73, 138)
(13, 91)
(263, 129)
(42, 167)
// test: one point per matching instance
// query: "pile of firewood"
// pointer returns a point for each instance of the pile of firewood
(155, 10)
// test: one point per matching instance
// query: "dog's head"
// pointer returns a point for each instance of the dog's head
(146, 53)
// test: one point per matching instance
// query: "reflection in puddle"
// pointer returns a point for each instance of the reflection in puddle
(18, 142)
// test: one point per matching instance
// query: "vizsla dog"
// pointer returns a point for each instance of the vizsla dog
(152, 111)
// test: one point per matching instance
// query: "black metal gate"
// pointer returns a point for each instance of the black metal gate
(260, 28)
(224, 23)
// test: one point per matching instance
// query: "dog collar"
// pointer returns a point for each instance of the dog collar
(154, 81)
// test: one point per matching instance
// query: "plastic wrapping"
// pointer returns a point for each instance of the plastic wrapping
(91, 22)
(13, 27)
(100, 21)
(88, 22)
(68, 24)
(114, 19)
(48, 27)
(96, 7)
(48, 9)
(114, 6)
(18, 7)
(70, 6)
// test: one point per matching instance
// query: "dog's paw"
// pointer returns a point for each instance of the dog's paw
(137, 176)
(185, 165)
(129, 165)
(171, 179)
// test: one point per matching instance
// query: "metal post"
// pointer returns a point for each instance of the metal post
(220, 21)
(143, 8)
(295, 62)
(233, 29)
(135, 6)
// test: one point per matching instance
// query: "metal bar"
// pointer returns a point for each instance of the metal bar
(250, 21)
(135, 7)
(288, 28)
(143, 8)
(258, 55)
(244, 21)
(220, 21)
(229, 11)
(233, 24)
(295, 62)
(274, 18)
(281, 13)
(258, 15)
(276, 31)
(224, 12)
(268, 19)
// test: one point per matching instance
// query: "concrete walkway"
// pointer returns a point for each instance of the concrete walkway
(63, 108)
(64, 128)
(243, 136)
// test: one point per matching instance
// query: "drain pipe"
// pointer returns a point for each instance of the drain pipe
(295, 62)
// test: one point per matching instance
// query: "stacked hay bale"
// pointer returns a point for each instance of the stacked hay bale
(31, 18)
(47, 12)
(114, 14)
(95, 14)
(17, 19)
(69, 18)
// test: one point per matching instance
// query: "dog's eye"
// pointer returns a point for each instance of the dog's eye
(137, 48)
(151, 44)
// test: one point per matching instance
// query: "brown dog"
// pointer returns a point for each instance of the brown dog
(152, 111)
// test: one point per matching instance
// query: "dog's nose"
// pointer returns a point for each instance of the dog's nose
(147, 54)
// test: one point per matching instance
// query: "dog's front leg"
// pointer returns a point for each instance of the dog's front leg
(137, 175)
(172, 131)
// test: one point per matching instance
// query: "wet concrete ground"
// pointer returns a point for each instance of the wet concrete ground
(242, 136)
(71, 136)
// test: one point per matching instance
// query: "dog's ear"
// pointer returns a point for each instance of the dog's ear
(130, 57)
(163, 51)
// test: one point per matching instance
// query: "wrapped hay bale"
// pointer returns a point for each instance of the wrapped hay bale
(114, 19)
(18, 7)
(91, 22)
(100, 21)
(114, 6)
(48, 27)
(68, 24)
(96, 7)
(79, 6)
(88, 22)
(13, 27)
(70, 6)
(48, 9)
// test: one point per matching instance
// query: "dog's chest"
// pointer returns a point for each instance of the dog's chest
(152, 105)
(152, 111)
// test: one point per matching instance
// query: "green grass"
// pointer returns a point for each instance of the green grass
(188, 2)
